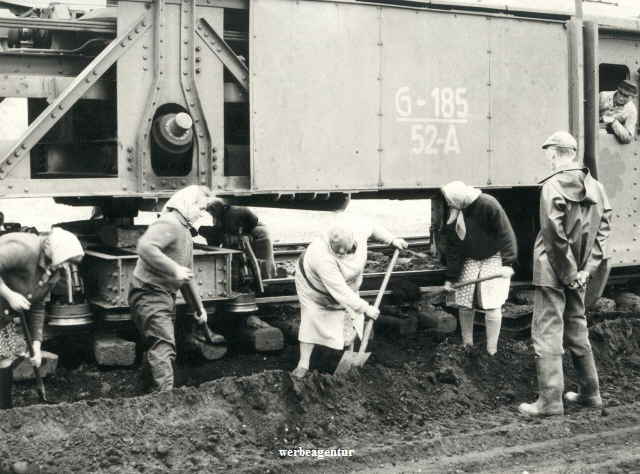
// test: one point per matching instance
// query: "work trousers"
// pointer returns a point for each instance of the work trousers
(153, 312)
(263, 248)
(558, 315)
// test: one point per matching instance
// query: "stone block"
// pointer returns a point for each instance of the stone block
(603, 305)
(437, 320)
(262, 339)
(523, 295)
(290, 326)
(24, 370)
(197, 344)
(122, 236)
(402, 326)
(110, 350)
(627, 302)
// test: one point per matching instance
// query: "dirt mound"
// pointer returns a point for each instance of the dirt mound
(420, 386)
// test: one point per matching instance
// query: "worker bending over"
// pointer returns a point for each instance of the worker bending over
(230, 223)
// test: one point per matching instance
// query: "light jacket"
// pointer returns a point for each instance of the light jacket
(574, 228)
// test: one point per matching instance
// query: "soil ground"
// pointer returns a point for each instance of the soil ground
(421, 404)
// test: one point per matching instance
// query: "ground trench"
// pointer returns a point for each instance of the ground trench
(419, 396)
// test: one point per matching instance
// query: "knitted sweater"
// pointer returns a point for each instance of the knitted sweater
(488, 232)
(166, 244)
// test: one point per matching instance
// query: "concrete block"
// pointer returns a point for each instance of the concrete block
(262, 339)
(111, 350)
(24, 370)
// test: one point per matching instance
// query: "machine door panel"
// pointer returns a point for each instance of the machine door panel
(435, 70)
(618, 166)
(314, 95)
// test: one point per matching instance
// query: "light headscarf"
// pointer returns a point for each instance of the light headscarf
(186, 199)
(459, 196)
(340, 234)
(63, 246)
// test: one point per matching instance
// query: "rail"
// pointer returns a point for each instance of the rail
(289, 250)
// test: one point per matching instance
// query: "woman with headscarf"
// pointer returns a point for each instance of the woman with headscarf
(479, 242)
(164, 267)
(328, 277)
(29, 268)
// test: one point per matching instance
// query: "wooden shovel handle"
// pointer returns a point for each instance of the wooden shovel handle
(477, 280)
(383, 287)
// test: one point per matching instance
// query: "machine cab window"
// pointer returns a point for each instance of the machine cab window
(618, 102)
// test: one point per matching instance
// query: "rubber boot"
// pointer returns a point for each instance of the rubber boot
(550, 388)
(492, 324)
(6, 387)
(467, 317)
(588, 386)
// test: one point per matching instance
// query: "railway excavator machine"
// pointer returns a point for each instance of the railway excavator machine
(297, 104)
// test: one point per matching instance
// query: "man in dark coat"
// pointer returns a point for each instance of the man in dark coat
(571, 246)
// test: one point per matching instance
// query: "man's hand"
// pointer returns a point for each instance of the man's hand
(17, 301)
(448, 287)
(183, 274)
(608, 119)
(506, 272)
(399, 243)
(36, 360)
(580, 281)
(618, 117)
(372, 312)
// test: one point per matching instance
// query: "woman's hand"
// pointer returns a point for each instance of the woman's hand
(183, 274)
(17, 301)
(372, 312)
(506, 272)
(399, 243)
(448, 287)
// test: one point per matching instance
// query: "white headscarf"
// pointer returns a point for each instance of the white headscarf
(459, 196)
(63, 246)
(340, 234)
(186, 199)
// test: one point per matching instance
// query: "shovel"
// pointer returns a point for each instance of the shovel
(27, 337)
(455, 286)
(192, 298)
(351, 358)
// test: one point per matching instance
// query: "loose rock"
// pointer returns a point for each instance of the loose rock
(627, 302)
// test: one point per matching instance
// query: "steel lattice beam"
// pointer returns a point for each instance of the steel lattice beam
(224, 53)
(74, 92)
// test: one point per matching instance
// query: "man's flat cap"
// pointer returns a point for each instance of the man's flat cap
(627, 87)
(561, 139)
